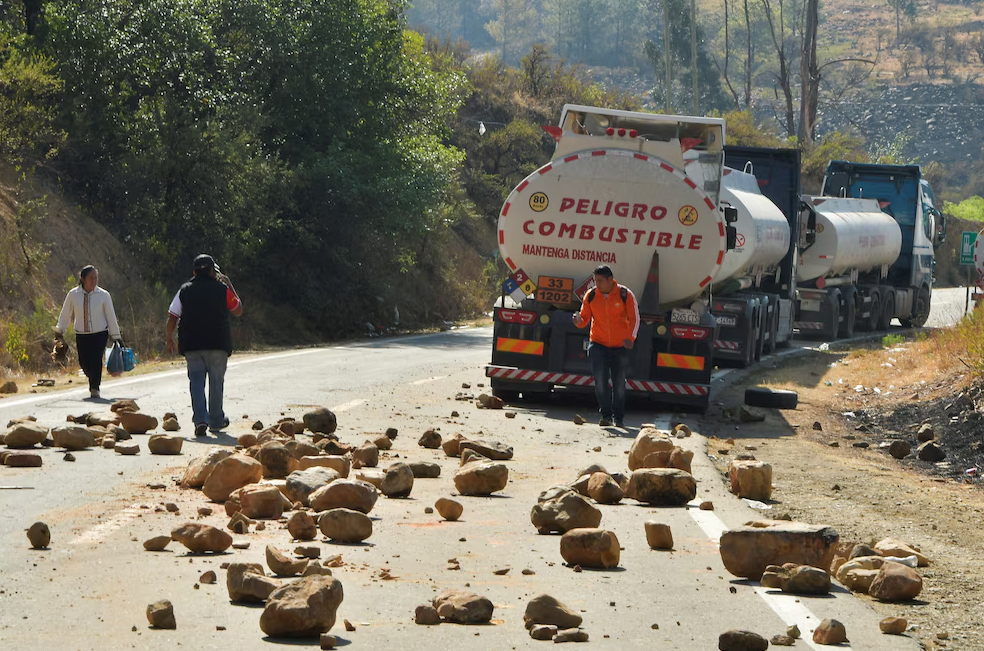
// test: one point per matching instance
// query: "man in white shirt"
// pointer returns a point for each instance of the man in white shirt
(89, 308)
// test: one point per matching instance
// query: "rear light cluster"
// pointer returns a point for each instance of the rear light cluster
(632, 133)
(689, 332)
(517, 316)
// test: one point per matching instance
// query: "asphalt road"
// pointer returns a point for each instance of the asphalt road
(91, 588)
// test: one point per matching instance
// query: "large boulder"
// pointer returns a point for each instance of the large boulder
(339, 464)
(321, 421)
(749, 549)
(751, 479)
(283, 565)
(461, 607)
(24, 435)
(452, 445)
(247, 583)
(346, 494)
(449, 509)
(661, 486)
(797, 579)
(648, 441)
(488, 449)
(564, 512)
(199, 469)
(302, 526)
(398, 481)
(301, 449)
(261, 501)
(230, 474)
(594, 548)
(430, 439)
(739, 640)
(366, 456)
(544, 609)
(200, 538)
(345, 525)
(425, 470)
(302, 483)
(481, 478)
(21, 459)
(72, 437)
(896, 582)
(165, 444)
(930, 451)
(304, 608)
(658, 535)
(134, 422)
(604, 490)
(277, 460)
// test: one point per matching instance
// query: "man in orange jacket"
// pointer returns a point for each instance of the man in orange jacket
(613, 313)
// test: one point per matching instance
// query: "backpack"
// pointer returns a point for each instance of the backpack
(622, 290)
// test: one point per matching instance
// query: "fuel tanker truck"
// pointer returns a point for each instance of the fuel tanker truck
(641, 193)
(726, 257)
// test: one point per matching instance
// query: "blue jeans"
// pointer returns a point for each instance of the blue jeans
(608, 364)
(210, 364)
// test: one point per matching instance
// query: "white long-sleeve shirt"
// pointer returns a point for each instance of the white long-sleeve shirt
(90, 313)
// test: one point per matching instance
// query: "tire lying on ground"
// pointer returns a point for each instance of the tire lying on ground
(771, 398)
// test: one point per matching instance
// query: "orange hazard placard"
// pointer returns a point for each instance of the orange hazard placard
(689, 362)
(523, 346)
(555, 290)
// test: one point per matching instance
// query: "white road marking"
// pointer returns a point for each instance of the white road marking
(347, 405)
(104, 529)
(789, 608)
(82, 392)
(430, 379)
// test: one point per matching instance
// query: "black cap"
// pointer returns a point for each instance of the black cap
(204, 262)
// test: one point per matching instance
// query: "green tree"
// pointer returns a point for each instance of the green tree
(905, 8)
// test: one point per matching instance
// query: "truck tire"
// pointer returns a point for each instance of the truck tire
(885, 314)
(920, 310)
(506, 395)
(846, 330)
(874, 314)
(771, 398)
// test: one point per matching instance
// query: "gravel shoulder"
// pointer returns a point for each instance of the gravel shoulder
(824, 476)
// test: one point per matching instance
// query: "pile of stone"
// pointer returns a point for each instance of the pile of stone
(455, 607)
(884, 571)
(547, 618)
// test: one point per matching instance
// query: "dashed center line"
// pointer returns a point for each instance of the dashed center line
(105, 529)
(430, 379)
(348, 405)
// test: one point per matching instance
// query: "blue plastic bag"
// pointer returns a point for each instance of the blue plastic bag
(129, 359)
(114, 363)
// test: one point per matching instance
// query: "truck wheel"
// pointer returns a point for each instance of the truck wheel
(920, 310)
(847, 325)
(885, 315)
(771, 398)
(507, 395)
(874, 313)
(831, 334)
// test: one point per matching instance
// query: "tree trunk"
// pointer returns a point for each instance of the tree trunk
(749, 62)
(809, 75)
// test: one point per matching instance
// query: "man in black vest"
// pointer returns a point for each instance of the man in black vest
(200, 313)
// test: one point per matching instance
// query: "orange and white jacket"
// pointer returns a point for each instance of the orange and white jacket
(612, 319)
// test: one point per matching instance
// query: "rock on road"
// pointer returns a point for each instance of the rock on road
(99, 580)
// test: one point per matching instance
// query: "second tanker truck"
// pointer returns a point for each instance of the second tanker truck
(711, 251)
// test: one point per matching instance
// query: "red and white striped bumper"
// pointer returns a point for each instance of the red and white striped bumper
(721, 344)
(809, 325)
(571, 379)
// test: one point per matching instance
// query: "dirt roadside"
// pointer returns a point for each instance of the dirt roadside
(839, 475)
